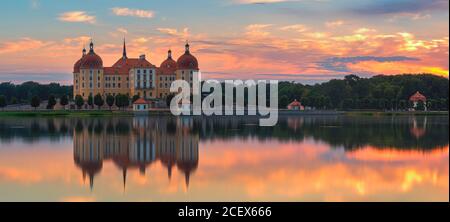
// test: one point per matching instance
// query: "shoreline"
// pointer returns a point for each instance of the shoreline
(81, 113)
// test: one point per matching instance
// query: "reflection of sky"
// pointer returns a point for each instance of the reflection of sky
(238, 170)
(308, 41)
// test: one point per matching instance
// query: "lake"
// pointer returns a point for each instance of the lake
(303, 158)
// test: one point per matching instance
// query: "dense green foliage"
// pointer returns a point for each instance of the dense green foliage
(378, 92)
(98, 101)
(110, 100)
(79, 101)
(24, 92)
(63, 101)
(35, 102)
(51, 102)
(122, 100)
(2, 101)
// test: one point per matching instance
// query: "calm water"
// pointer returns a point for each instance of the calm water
(224, 159)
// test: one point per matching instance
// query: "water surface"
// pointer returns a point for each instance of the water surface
(303, 158)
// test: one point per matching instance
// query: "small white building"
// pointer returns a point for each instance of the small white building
(141, 105)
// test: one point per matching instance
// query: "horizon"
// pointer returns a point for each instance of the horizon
(303, 41)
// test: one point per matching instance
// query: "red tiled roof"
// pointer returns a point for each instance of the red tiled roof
(168, 67)
(417, 97)
(141, 101)
(123, 66)
(91, 61)
(295, 103)
(187, 61)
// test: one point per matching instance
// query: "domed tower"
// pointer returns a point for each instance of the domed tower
(187, 66)
(76, 74)
(166, 75)
(91, 72)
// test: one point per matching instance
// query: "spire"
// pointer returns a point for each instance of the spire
(187, 46)
(169, 54)
(124, 174)
(91, 47)
(124, 53)
(84, 50)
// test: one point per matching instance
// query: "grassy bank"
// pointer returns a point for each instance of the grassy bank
(50, 113)
(40, 113)
(396, 113)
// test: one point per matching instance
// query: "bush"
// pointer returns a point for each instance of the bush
(35, 102)
(64, 100)
(2, 101)
(98, 100)
(79, 101)
(110, 100)
(51, 102)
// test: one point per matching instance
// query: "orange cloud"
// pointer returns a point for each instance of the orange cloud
(77, 16)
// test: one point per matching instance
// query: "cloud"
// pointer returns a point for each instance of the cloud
(247, 2)
(23, 44)
(405, 6)
(296, 28)
(340, 64)
(140, 13)
(77, 16)
(333, 24)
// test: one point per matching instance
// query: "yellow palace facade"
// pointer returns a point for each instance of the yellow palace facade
(131, 76)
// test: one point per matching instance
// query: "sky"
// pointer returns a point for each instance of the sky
(308, 41)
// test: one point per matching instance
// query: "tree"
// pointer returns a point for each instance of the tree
(2, 101)
(110, 100)
(51, 102)
(284, 102)
(122, 101)
(14, 100)
(35, 102)
(79, 101)
(90, 101)
(64, 101)
(169, 99)
(347, 104)
(135, 98)
(98, 100)
(402, 104)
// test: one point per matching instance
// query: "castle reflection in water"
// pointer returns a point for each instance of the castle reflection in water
(135, 145)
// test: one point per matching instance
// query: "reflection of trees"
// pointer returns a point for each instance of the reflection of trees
(403, 132)
(348, 132)
(33, 129)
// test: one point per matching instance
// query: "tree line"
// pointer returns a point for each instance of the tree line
(353, 92)
(379, 92)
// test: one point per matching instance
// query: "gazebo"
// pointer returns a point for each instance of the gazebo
(416, 98)
(295, 105)
(141, 105)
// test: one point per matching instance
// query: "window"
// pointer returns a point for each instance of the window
(118, 85)
(145, 71)
(139, 71)
(118, 78)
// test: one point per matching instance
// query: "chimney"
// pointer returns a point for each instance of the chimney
(142, 57)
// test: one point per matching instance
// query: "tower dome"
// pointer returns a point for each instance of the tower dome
(169, 66)
(91, 60)
(76, 67)
(187, 60)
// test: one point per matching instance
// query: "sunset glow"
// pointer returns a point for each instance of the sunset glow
(308, 41)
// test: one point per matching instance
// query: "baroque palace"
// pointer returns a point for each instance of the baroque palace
(131, 76)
